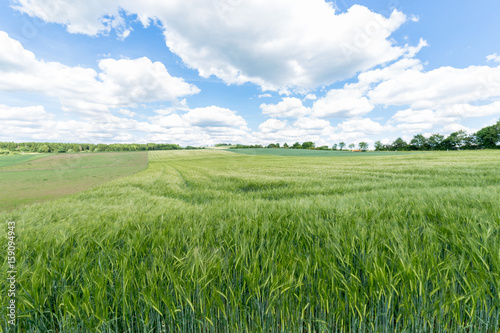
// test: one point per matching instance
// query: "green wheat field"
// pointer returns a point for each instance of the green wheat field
(218, 241)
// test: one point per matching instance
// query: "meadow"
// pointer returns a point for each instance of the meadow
(217, 241)
(26, 179)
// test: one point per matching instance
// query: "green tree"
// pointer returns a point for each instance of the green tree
(61, 150)
(488, 137)
(399, 144)
(379, 146)
(44, 149)
(307, 145)
(342, 145)
(285, 145)
(419, 142)
(297, 145)
(334, 147)
(436, 141)
(351, 146)
(363, 146)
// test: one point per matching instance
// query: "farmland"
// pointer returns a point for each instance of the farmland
(25, 179)
(218, 241)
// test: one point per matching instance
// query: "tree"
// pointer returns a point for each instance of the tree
(351, 146)
(307, 145)
(334, 147)
(435, 142)
(419, 142)
(44, 149)
(342, 145)
(297, 145)
(61, 150)
(363, 146)
(379, 146)
(399, 144)
(285, 145)
(488, 137)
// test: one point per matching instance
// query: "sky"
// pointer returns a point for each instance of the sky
(196, 72)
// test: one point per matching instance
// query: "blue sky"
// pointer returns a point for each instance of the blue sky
(204, 72)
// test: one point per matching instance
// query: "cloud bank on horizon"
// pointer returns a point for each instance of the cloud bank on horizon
(301, 70)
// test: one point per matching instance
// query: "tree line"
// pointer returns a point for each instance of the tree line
(51, 147)
(486, 138)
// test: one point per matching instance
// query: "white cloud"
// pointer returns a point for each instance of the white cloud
(272, 125)
(214, 116)
(119, 84)
(31, 114)
(361, 125)
(266, 95)
(442, 86)
(311, 97)
(342, 103)
(288, 107)
(311, 123)
(278, 44)
(493, 57)
(127, 113)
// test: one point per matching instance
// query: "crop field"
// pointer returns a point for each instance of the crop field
(217, 241)
(7, 160)
(312, 152)
(26, 179)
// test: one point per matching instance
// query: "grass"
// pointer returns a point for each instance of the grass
(212, 241)
(311, 152)
(36, 180)
(6, 160)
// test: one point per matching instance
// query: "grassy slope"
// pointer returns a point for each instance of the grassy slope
(216, 241)
(7, 160)
(58, 175)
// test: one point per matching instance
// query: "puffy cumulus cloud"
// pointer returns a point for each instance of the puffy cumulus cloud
(31, 114)
(201, 126)
(363, 126)
(120, 83)
(272, 125)
(342, 103)
(283, 43)
(442, 86)
(214, 116)
(311, 123)
(289, 107)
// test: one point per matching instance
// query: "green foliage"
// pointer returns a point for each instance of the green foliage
(363, 146)
(308, 144)
(489, 137)
(341, 145)
(44, 149)
(400, 144)
(208, 241)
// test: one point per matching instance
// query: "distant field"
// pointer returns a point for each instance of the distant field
(50, 176)
(215, 241)
(6, 160)
(311, 152)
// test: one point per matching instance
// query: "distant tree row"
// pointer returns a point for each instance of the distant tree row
(51, 147)
(486, 138)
